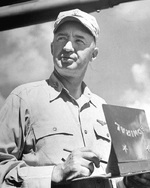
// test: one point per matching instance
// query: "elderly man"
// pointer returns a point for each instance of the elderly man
(54, 131)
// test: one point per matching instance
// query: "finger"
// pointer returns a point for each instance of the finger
(142, 180)
(75, 161)
(86, 149)
(146, 176)
(88, 164)
(81, 172)
(94, 160)
(131, 182)
(84, 157)
(72, 176)
(91, 156)
(137, 181)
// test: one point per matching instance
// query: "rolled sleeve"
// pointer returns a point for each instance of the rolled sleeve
(36, 177)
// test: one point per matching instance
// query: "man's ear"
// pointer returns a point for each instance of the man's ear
(95, 53)
(52, 50)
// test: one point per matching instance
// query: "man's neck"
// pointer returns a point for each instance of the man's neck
(74, 89)
(73, 85)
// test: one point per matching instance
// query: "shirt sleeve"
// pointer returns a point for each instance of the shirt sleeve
(13, 131)
(36, 177)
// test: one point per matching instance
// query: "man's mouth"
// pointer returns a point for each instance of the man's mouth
(67, 60)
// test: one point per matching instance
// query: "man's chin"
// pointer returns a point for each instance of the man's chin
(68, 65)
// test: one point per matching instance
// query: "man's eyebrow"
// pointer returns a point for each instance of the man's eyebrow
(80, 36)
(62, 34)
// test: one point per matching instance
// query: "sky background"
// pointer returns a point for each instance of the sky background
(121, 72)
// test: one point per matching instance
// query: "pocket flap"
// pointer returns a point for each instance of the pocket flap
(48, 130)
(101, 130)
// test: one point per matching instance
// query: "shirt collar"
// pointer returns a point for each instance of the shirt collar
(57, 86)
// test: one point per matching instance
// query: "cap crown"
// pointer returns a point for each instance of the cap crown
(84, 18)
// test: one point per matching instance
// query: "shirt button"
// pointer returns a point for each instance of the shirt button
(85, 131)
(54, 129)
(55, 85)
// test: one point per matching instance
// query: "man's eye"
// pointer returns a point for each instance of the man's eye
(61, 39)
(80, 41)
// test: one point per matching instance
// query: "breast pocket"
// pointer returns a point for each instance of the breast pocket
(50, 142)
(101, 130)
(103, 140)
(47, 130)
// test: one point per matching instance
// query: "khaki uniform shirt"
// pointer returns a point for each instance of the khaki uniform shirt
(39, 123)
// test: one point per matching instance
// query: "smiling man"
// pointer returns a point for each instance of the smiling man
(54, 131)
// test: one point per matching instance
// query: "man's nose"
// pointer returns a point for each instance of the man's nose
(68, 46)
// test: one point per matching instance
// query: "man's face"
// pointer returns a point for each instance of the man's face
(73, 48)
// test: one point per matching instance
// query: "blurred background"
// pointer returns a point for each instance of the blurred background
(121, 72)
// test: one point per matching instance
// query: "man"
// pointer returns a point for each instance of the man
(54, 131)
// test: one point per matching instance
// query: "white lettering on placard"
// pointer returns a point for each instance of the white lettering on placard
(130, 133)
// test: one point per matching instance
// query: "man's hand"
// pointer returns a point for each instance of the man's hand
(138, 181)
(80, 163)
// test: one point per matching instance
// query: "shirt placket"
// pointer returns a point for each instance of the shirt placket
(75, 112)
